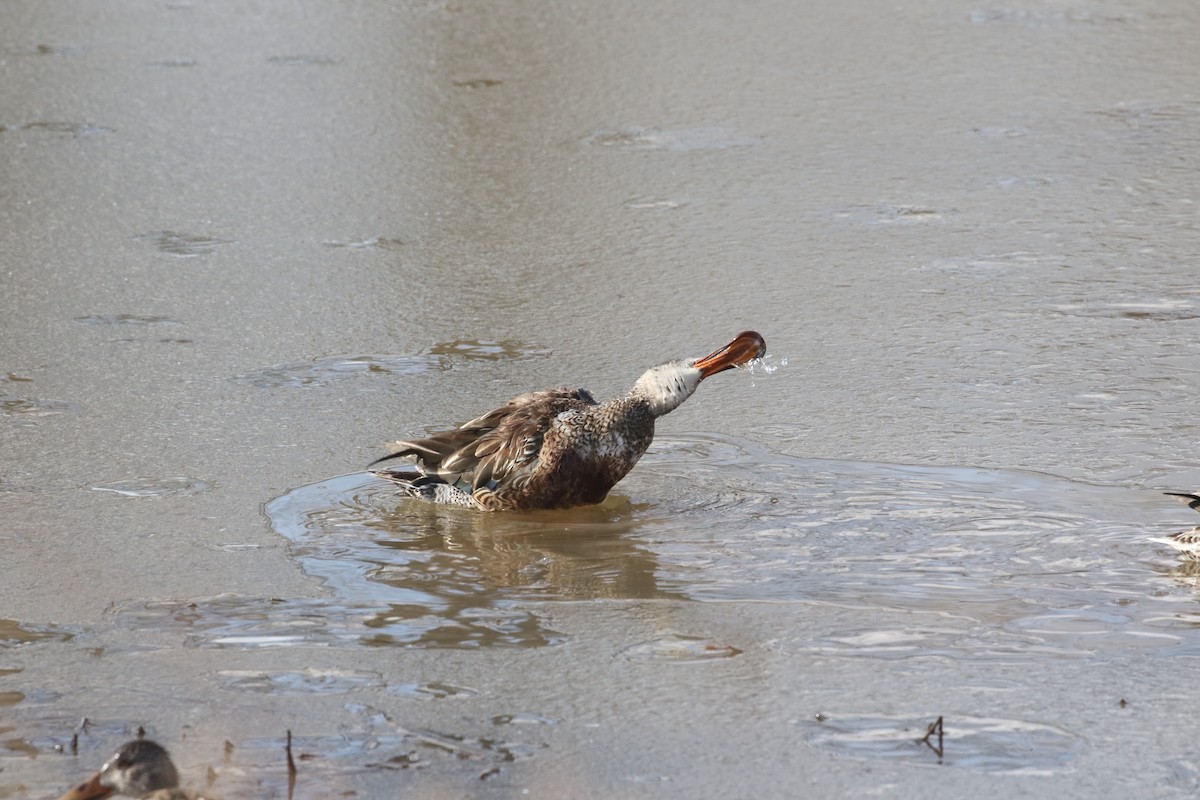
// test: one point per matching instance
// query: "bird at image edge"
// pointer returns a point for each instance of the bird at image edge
(1187, 542)
(556, 448)
(141, 768)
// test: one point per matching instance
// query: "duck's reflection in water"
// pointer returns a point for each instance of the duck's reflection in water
(456, 578)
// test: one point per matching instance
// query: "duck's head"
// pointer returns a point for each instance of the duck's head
(666, 386)
(138, 768)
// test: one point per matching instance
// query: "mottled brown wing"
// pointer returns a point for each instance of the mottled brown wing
(498, 447)
(512, 444)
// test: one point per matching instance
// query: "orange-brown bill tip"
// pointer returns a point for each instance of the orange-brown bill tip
(745, 347)
(755, 339)
(88, 790)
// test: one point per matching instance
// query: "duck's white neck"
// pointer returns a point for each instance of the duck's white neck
(666, 386)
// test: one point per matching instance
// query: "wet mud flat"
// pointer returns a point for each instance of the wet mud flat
(911, 559)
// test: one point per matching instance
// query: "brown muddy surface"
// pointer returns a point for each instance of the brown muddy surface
(245, 247)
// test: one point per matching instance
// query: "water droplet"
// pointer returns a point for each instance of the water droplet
(767, 365)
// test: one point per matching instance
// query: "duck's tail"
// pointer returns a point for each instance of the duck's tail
(426, 487)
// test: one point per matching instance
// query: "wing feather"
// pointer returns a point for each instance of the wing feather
(499, 447)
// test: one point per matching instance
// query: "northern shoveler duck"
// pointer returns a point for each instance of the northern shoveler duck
(141, 768)
(556, 448)
(1186, 542)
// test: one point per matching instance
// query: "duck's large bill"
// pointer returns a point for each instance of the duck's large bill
(88, 790)
(746, 347)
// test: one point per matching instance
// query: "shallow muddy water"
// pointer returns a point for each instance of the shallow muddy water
(247, 247)
(995, 556)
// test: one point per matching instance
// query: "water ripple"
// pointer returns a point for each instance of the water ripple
(320, 371)
(182, 245)
(78, 129)
(154, 487)
(683, 140)
(125, 319)
(307, 681)
(26, 409)
(373, 243)
(978, 744)
(980, 564)
(679, 648)
(17, 634)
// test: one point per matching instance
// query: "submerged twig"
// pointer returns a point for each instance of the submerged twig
(291, 767)
(935, 727)
(291, 761)
(81, 727)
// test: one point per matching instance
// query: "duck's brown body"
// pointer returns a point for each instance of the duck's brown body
(552, 449)
(556, 448)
